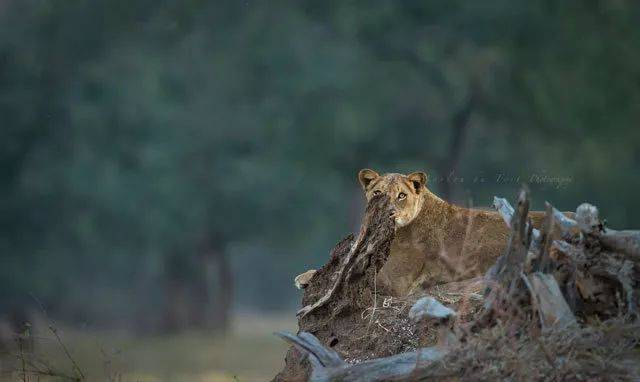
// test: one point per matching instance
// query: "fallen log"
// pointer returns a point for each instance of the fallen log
(328, 366)
(548, 300)
(573, 353)
(566, 223)
(503, 278)
(545, 300)
(627, 242)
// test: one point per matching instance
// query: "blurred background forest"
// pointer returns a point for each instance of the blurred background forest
(167, 165)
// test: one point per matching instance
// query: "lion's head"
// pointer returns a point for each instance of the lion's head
(405, 192)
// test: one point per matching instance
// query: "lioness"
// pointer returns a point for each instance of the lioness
(435, 242)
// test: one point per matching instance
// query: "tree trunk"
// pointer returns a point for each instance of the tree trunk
(460, 126)
(221, 279)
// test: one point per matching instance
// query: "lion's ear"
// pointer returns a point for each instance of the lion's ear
(418, 179)
(365, 176)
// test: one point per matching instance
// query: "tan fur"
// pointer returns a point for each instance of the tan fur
(435, 241)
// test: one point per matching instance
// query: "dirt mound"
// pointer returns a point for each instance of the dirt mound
(360, 320)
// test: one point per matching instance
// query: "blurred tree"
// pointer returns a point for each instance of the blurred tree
(171, 152)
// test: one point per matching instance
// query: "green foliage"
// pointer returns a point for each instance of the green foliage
(132, 129)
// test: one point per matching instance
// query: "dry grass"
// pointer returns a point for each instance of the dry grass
(607, 351)
(249, 352)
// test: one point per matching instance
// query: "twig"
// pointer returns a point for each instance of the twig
(53, 330)
(66, 352)
(375, 294)
(534, 297)
(22, 359)
(52, 373)
(547, 356)
(380, 325)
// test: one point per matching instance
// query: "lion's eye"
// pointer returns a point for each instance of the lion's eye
(401, 196)
(377, 192)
